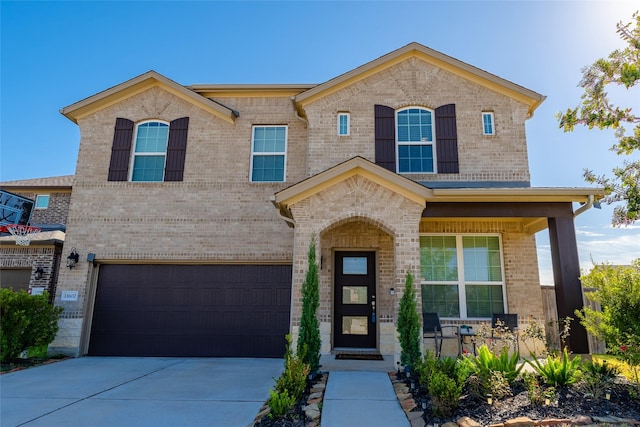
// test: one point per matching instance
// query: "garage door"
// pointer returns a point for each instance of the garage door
(191, 310)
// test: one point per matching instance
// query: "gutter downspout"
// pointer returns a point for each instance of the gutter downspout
(584, 207)
(306, 122)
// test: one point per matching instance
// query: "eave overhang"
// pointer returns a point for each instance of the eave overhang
(530, 206)
(250, 90)
(141, 83)
(438, 59)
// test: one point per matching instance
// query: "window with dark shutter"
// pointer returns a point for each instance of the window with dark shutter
(385, 137)
(121, 150)
(447, 139)
(176, 149)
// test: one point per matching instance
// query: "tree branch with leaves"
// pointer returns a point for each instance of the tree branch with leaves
(596, 110)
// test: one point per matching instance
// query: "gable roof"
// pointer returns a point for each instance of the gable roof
(139, 84)
(416, 50)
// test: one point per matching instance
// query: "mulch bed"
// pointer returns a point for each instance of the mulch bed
(20, 364)
(568, 403)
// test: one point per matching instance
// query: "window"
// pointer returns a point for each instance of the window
(268, 153)
(343, 124)
(42, 201)
(462, 275)
(487, 123)
(415, 140)
(150, 151)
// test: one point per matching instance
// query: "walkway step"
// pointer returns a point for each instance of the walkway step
(355, 398)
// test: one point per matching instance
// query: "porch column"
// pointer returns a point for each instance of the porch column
(566, 275)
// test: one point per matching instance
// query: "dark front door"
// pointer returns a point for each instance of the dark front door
(355, 300)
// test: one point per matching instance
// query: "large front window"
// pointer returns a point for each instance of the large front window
(462, 275)
(415, 140)
(268, 153)
(150, 151)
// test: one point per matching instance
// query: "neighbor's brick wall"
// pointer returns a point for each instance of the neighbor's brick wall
(502, 157)
(56, 212)
(32, 257)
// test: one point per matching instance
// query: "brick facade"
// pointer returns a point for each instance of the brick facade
(216, 215)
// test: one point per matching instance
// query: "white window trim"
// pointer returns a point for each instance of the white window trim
(432, 142)
(286, 144)
(493, 123)
(348, 116)
(48, 196)
(134, 154)
(461, 280)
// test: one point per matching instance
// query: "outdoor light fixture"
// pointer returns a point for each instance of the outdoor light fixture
(547, 400)
(607, 395)
(73, 258)
(490, 399)
(39, 273)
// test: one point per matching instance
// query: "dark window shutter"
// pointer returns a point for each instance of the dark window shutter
(121, 150)
(385, 134)
(447, 139)
(176, 149)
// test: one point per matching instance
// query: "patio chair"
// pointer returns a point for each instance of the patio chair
(431, 327)
(507, 323)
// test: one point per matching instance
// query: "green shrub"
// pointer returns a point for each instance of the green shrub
(596, 378)
(409, 326)
(486, 362)
(26, 321)
(537, 394)
(558, 371)
(293, 379)
(280, 403)
(445, 394)
(309, 338)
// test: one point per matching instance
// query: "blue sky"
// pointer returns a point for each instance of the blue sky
(54, 54)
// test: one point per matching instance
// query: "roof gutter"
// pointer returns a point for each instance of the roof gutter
(584, 207)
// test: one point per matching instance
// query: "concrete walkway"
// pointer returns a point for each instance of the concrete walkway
(356, 398)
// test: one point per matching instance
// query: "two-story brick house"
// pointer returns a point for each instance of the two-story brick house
(198, 204)
(44, 203)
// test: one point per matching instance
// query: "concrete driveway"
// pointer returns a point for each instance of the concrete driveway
(125, 391)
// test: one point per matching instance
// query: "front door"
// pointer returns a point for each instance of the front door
(355, 300)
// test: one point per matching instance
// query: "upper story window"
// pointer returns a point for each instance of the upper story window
(268, 153)
(414, 133)
(343, 124)
(487, 123)
(42, 201)
(150, 151)
(462, 275)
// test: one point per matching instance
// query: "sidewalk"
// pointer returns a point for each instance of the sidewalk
(359, 398)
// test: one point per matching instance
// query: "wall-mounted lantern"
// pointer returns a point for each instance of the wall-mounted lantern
(73, 258)
(39, 273)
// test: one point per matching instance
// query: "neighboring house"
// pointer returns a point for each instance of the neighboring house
(195, 206)
(43, 203)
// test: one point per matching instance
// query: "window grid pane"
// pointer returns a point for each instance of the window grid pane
(441, 299)
(484, 300)
(482, 259)
(438, 258)
(269, 153)
(487, 123)
(414, 131)
(148, 168)
(152, 138)
(343, 124)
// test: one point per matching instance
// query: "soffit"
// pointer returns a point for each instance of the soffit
(250, 90)
(140, 84)
(416, 50)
